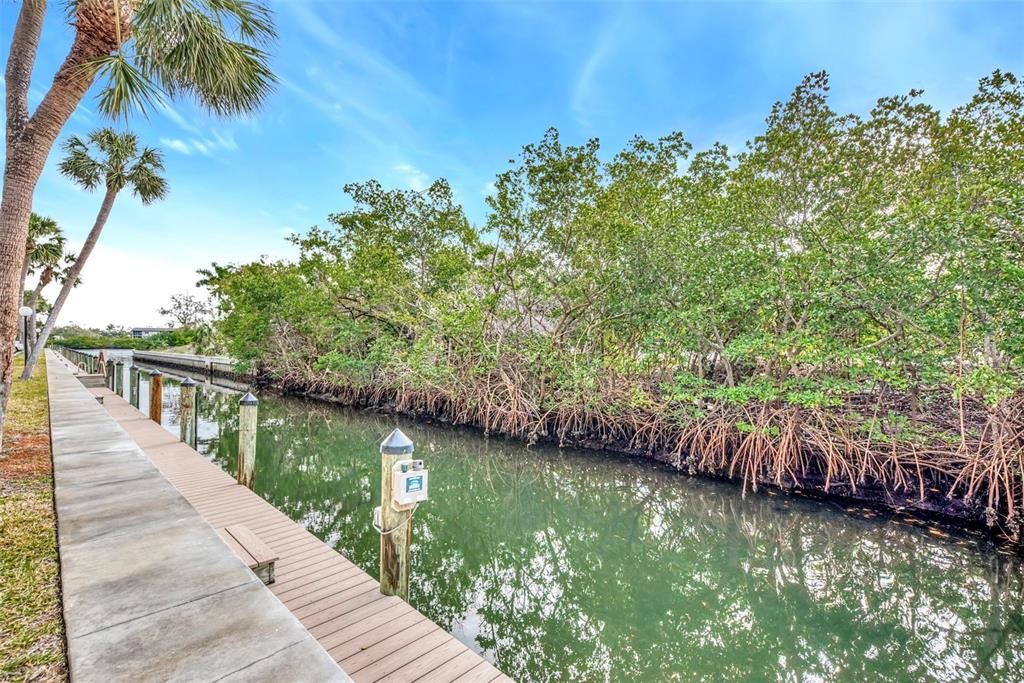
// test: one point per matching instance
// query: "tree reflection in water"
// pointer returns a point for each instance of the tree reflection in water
(564, 565)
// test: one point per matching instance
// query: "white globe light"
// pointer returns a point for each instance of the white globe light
(25, 310)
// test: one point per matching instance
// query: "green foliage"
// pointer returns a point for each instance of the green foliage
(836, 256)
(92, 340)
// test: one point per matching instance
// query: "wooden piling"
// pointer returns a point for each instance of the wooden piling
(156, 396)
(119, 378)
(187, 415)
(133, 385)
(247, 414)
(395, 525)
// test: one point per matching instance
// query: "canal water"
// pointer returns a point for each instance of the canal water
(565, 565)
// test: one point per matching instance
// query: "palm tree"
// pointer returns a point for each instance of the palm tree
(43, 254)
(205, 339)
(210, 51)
(113, 161)
(58, 273)
(44, 240)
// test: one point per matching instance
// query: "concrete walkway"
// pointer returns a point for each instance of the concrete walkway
(150, 591)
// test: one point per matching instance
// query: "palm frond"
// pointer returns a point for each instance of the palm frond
(126, 88)
(144, 177)
(78, 165)
(46, 253)
(119, 147)
(209, 51)
(42, 226)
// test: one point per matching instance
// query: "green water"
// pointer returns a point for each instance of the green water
(562, 565)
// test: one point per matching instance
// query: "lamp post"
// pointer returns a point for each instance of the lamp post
(24, 312)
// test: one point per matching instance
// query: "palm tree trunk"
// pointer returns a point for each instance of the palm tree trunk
(69, 283)
(24, 276)
(35, 307)
(29, 141)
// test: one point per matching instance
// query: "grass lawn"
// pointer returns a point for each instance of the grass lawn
(31, 628)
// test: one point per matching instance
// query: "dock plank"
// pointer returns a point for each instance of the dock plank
(455, 667)
(420, 667)
(372, 645)
(481, 673)
(419, 647)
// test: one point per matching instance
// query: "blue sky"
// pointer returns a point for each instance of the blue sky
(405, 92)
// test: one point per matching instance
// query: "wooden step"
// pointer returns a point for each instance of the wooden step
(251, 550)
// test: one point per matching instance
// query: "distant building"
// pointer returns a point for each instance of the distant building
(143, 332)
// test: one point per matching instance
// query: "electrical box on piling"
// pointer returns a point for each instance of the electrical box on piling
(409, 484)
(403, 485)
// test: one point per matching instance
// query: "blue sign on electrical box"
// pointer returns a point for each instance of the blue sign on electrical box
(413, 484)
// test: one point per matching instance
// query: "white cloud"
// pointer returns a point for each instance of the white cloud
(584, 91)
(177, 118)
(314, 25)
(225, 140)
(359, 57)
(176, 144)
(413, 177)
(333, 110)
(207, 146)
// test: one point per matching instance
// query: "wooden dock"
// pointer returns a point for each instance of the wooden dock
(148, 591)
(373, 637)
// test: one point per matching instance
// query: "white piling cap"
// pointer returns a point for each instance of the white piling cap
(397, 443)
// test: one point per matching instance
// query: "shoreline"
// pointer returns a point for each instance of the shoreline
(934, 509)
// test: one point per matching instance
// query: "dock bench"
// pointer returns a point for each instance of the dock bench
(251, 550)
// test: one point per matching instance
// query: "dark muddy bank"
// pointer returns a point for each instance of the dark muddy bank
(923, 500)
